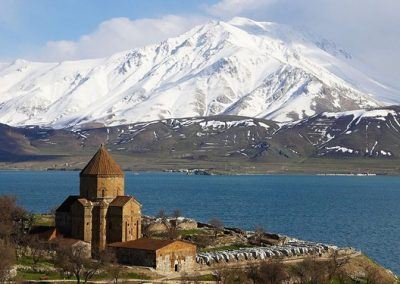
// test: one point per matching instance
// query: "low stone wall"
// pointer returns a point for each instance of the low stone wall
(290, 249)
(156, 225)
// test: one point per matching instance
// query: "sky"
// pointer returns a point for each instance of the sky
(55, 30)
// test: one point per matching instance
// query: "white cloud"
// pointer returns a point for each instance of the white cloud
(230, 8)
(118, 34)
(369, 29)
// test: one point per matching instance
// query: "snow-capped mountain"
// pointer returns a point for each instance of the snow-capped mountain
(240, 67)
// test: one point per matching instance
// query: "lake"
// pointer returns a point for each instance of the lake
(362, 212)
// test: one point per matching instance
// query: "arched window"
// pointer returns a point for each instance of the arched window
(103, 192)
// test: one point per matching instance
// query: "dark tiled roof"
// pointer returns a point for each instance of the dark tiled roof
(66, 205)
(43, 232)
(102, 164)
(120, 201)
(64, 242)
(144, 244)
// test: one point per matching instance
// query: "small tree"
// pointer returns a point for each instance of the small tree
(228, 276)
(273, 272)
(146, 232)
(375, 276)
(253, 273)
(38, 249)
(217, 226)
(113, 269)
(335, 267)
(7, 260)
(176, 213)
(161, 214)
(258, 234)
(171, 226)
(311, 271)
(75, 261)
(13, 220)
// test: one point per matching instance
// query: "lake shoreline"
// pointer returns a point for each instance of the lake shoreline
(209, 172)
(329, 209)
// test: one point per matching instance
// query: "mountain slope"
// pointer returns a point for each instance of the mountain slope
(363, 134)
(241, 67)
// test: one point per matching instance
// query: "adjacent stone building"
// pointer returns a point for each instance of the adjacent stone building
(163, 255)
(101, 214)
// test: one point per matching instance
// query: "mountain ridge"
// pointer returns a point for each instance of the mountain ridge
(240, 67)
(349, 142)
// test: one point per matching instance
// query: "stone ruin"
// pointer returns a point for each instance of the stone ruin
(157, 225)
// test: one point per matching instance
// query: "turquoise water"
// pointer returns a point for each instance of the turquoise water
(362, 212)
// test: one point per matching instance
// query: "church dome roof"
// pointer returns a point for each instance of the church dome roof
(102, 164)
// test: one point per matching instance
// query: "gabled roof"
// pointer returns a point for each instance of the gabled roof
(146, 244)
(44, 232)
(120, 201)
(65, 242)
(66, 205)
(102, 164)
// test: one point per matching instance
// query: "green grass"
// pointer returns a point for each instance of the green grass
(134, 275)
(207, 277)
(100, 276)
(31, 275)
(230, 247)
(43, 220)
(27, 261)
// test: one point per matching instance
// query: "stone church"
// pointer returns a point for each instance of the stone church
(102, 213)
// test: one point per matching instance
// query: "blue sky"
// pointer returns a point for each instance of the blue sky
(54, 30)
(29, 24)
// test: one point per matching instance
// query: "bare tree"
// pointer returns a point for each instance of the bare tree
(273, 272)
(7, 260)
(202, 240)
(374, 276)
(161, 214)
(268, 272)
(176, 213)
(217, 226)
(38, 249)
(75, 261)
(13, 221)
(171, 226)
(229, 276)
(258, 234)
(335, 267)
(311, 271)
(253, 273)
(146, 232)
(113, 269)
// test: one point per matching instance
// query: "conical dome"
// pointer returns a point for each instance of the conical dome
(102, 164)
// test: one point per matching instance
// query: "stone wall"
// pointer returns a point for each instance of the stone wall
(114, 224)
(131, 221)
(136, 257)
(101, 187)
(176, 257)
(63, 223)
